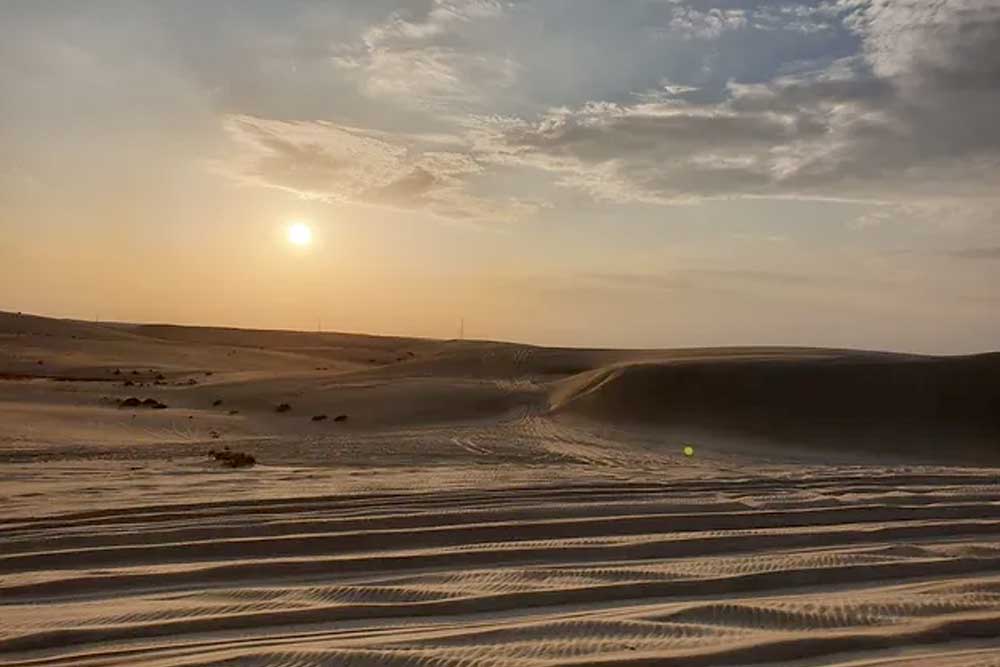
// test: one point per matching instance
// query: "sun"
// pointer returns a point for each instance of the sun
(299, 234)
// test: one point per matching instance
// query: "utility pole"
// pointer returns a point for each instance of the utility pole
(461, 329)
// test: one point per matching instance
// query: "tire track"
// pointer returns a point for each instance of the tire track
(691, 571)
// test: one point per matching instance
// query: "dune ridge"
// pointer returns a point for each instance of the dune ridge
(858, 399)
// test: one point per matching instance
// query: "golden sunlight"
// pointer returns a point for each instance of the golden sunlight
(299, 234)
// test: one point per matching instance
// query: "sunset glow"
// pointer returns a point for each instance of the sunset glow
(564, 172)
(299, 234)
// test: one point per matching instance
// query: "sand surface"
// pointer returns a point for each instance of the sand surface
(490, 503)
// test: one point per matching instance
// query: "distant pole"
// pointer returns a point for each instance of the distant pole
(461, 329)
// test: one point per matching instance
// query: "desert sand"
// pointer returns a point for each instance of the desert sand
(487, 503)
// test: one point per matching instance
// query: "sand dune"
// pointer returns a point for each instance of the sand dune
(891, 402)
(490, 503)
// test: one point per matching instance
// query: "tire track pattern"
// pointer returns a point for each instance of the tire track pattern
(827, 566)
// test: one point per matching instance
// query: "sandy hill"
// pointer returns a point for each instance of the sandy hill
(873, 401)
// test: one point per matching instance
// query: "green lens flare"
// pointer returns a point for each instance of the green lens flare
(689, 451)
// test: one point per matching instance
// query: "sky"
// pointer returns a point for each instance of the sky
(650, 173)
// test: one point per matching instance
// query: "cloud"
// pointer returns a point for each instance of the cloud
(911, 116)
(806, 19)
(685, 279)
(660, 152)
(324, 161)
(978, 253)
(429, 62)
(708, 24)
(951, 215)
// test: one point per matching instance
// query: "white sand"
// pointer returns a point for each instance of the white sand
(487, 504)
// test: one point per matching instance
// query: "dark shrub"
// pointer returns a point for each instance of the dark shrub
(232, 459)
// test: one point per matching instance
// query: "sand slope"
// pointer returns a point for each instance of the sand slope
(876, 401)
(490, 503)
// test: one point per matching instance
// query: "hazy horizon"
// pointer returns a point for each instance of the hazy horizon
(461, 335)
(663, 173)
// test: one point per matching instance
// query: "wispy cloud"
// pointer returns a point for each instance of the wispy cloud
(978, 253)
(686, 279)
(329, 162)
(706, 24)
(431, 61)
